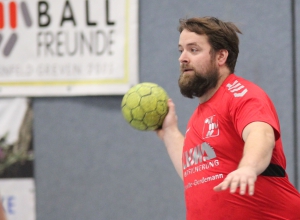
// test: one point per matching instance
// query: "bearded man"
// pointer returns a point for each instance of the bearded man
(231, 158)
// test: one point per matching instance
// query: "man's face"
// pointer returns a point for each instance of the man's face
(199, 71)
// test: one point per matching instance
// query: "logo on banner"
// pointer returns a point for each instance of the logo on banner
(211, 127)
(13, 23)
(51, 43)
(67, 47)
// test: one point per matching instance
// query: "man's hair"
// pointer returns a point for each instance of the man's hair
(221, 35)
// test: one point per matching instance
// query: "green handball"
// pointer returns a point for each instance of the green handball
(145, 107)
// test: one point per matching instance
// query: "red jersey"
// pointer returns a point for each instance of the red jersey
(213, 148)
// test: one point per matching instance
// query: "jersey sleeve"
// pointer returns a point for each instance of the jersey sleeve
(253, 107)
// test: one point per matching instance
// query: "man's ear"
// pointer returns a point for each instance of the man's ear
(222, 56)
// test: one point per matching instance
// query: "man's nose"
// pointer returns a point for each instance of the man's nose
(183, 58)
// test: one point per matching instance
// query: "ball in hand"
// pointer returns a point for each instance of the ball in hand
(144, 106)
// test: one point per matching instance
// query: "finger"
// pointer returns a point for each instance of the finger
(171, 110)
(158, 132)
(223, 185)
(218, 187)
(171, 106)
(234, 184)
(243, 186)
(251, 186)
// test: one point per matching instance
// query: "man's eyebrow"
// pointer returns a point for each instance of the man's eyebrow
(189, 44)
(192, 44)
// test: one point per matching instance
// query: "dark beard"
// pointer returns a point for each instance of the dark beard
(197, 85)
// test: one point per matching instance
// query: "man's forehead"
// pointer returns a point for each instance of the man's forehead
(192, 38)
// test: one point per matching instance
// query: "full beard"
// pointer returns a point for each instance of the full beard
(198, 84)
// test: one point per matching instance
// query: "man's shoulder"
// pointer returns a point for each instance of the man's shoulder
(239, 87)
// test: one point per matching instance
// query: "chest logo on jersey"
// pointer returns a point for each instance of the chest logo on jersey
(211, 127)
(199, 154)
(198, 158)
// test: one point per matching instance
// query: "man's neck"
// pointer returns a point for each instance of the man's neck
(224, 73)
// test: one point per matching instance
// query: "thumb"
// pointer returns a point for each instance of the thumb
(171, 111)
(171, 106)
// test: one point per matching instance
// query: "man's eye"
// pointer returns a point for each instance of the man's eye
(180, 51)
(194, 50)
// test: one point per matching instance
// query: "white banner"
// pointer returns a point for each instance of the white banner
(68, 48)
(18, 198)
(17, 188)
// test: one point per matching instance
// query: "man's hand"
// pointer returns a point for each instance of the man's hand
(243, 177)
(172, 138)
(170, 121)
(259, 138)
